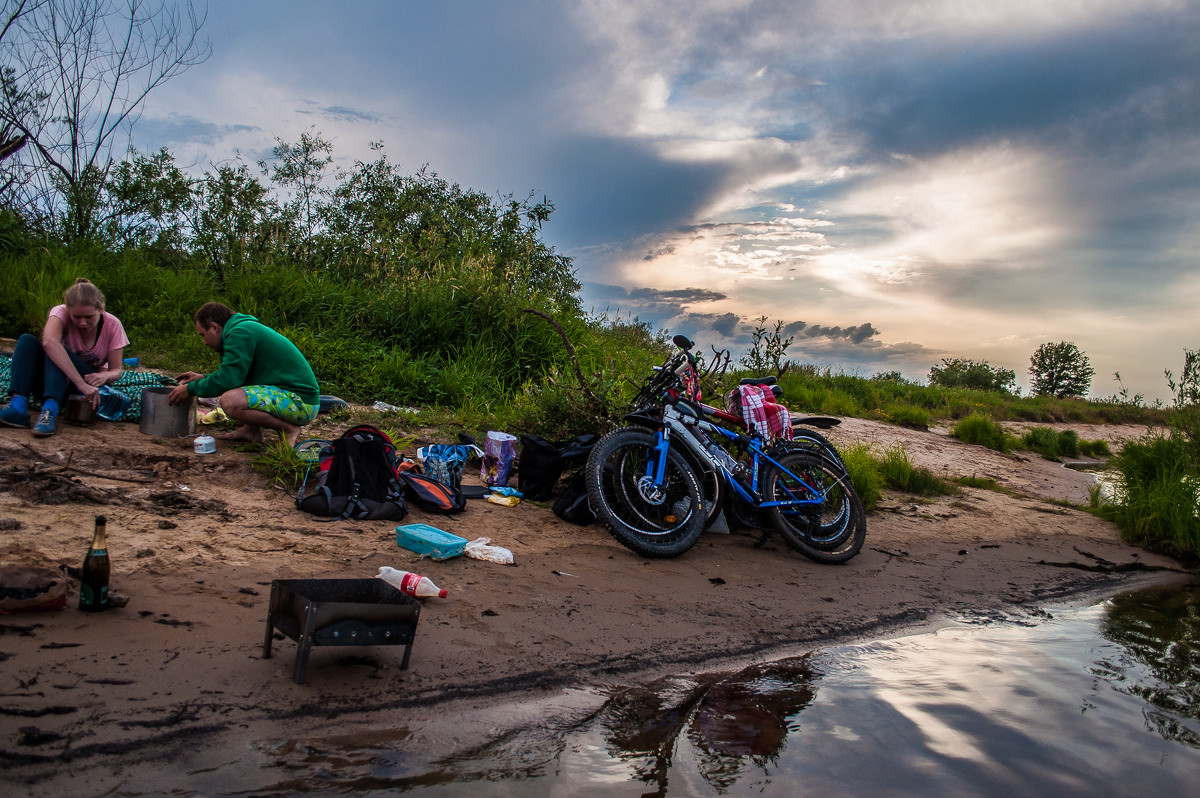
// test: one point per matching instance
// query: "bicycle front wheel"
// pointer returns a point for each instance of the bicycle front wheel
(653, 517)
(830, 529)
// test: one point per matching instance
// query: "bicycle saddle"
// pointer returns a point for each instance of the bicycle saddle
(820, 422)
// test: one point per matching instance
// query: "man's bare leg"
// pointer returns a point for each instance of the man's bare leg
(236, 406)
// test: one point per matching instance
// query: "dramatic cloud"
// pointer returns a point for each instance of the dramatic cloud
(978, 177)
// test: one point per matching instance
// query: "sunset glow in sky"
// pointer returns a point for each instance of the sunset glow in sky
(897, 182)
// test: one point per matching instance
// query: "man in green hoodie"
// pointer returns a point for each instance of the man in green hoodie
(262, 381)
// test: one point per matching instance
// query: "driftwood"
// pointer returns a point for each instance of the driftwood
(1104, 566)
(52, 486)
(99, 475)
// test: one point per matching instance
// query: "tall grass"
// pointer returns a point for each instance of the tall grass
(1157, 502)
(983, 431)
(865, 477)
(870, 474)
(899, 473)
(1052, 444)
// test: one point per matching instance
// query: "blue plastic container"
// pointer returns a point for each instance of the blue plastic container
(429, 541)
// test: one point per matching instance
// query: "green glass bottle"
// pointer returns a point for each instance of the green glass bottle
(93, 585)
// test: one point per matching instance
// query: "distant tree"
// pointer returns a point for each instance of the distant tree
(301, 168)
(891, 376)
(145, 201)
(1060, 370)
(977, 375)
(73, 77)
(230, 219)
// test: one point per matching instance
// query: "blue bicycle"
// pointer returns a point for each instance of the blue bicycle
(658, 483)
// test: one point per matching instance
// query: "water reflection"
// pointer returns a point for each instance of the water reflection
(730, 722)
(1159, 658)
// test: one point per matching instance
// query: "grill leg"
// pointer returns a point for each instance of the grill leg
(272, 607)
(304, 644)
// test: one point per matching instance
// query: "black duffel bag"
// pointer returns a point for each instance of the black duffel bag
(542, 462)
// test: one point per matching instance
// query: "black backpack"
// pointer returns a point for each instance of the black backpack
(542, 462)
(358, 478)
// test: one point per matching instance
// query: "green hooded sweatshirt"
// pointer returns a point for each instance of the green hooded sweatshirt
(254, 354)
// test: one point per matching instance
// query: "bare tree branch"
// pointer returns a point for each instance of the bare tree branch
(74, 77)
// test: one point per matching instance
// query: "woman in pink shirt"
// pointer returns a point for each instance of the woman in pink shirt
(79, 351)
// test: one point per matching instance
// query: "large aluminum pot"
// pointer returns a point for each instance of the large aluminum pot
(164, 420)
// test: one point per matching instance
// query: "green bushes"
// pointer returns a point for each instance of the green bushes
(1156, 502)
(983, 431)
(1094, 449)
(906, 416)
(900, 474)
(979, 375)
(1052, 444)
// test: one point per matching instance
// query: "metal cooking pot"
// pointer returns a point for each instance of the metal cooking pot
(79, 410)
(162, 419)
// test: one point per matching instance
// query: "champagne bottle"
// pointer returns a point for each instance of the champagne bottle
(93, 585)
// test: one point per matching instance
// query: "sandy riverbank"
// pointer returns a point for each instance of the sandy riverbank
(101, 700)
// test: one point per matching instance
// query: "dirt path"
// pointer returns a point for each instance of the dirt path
(196, 540)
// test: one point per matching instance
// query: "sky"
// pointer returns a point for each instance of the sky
(895, 182)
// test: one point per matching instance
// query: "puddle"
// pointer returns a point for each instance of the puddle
(1098, 700)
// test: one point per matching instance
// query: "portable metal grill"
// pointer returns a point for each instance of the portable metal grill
(340, 612)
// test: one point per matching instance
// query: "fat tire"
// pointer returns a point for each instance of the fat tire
(834, 532)
(647, 527)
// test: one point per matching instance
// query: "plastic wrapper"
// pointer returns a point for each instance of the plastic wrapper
(480, 550)
(499, 453)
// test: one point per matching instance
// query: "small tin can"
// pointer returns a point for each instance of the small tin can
(205, 444)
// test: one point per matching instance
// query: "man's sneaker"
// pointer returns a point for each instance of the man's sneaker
(13, 417)
(44, 427)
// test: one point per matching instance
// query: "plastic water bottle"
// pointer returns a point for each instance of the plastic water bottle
(410, 583)
(113, 403)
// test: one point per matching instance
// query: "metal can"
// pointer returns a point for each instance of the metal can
(205, 444)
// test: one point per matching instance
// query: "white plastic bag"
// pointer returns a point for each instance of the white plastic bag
(480, 550)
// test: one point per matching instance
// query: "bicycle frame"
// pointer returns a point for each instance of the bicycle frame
(681, 425)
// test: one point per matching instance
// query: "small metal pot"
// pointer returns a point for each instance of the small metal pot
(79, 410)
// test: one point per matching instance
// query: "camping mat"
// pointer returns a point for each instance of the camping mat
(131, 383)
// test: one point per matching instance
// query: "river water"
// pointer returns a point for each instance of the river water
(1098, 700)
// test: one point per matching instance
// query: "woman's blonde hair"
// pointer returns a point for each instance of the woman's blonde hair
(84, 292)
